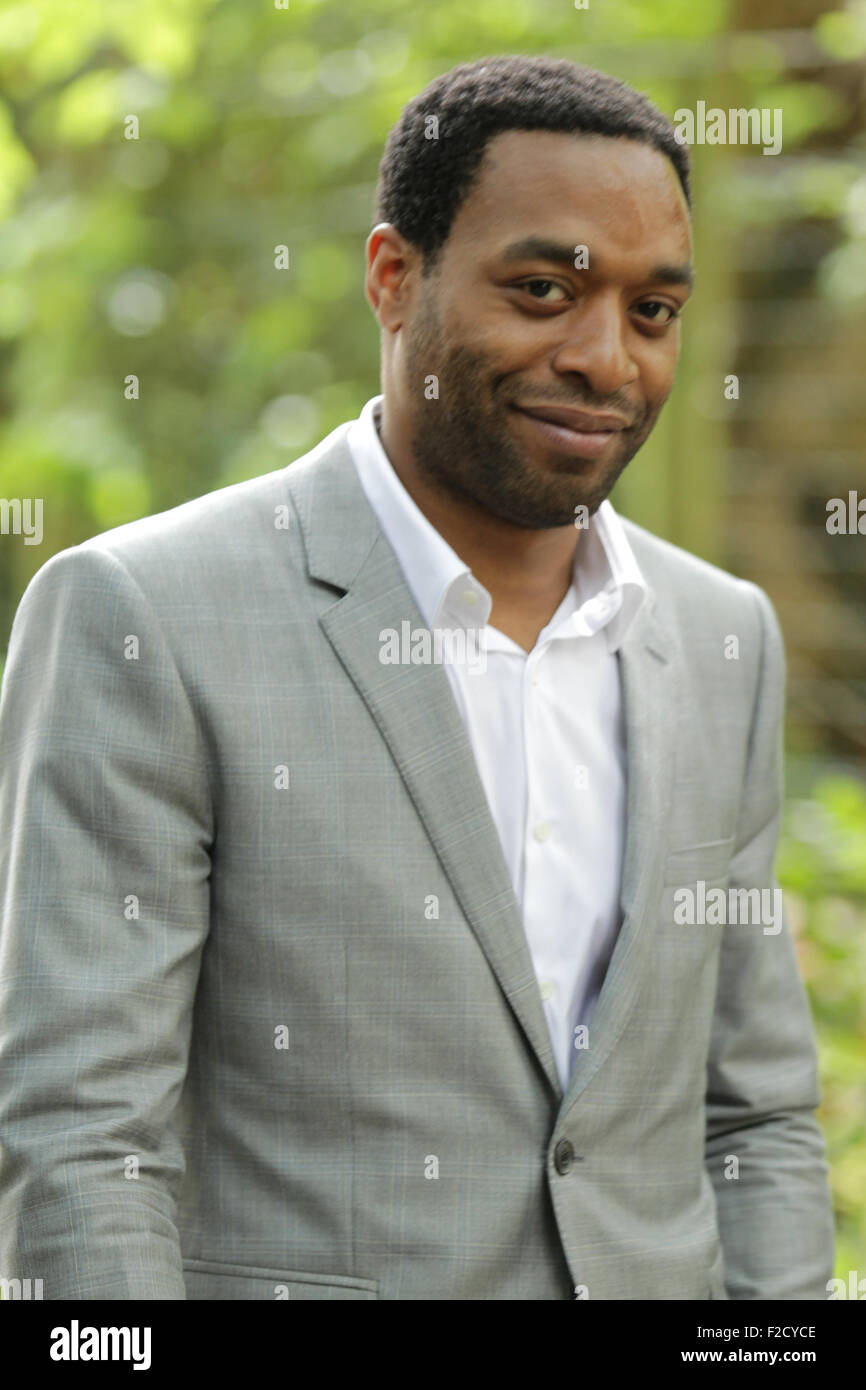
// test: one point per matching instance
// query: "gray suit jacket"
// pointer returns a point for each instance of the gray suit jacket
(269, 1024)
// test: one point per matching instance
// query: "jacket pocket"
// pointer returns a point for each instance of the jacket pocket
(687, 875)
(706, 861)
(213, 1280)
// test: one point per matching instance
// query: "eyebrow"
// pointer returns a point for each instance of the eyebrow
(539, 248)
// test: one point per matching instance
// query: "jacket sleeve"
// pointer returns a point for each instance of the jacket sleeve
(105, 826)
(775, 1215)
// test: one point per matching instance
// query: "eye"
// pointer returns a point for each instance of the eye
(657, 304)
(540, 289)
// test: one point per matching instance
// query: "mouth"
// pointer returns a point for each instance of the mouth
(581, 433)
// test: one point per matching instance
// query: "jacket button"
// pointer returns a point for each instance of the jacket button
(563, 1155)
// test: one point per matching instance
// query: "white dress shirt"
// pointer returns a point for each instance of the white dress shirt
(546, 728)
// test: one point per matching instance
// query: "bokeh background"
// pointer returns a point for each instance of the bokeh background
(261, 124)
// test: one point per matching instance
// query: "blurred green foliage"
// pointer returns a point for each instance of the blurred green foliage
(822, 869)
(259, 127)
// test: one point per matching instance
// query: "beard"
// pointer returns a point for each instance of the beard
(463, 442)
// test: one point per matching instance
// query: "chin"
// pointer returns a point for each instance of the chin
(542, 514)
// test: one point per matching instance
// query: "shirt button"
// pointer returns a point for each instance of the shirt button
(541, 830)
(547, 989)
(563, 1156)
(469, 596)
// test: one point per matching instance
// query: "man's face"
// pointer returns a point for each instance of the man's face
(522, 340)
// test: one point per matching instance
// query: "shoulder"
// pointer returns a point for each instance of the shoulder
(211, 545)
(694, 593)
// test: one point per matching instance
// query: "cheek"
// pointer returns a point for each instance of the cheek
(657, 369)
(490, 328)
(483, 335)
(475, 352)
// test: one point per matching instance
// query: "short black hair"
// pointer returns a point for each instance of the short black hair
(423, 181)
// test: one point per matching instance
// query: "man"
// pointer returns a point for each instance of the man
(332, 969)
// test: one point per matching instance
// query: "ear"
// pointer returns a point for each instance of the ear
(392, 265)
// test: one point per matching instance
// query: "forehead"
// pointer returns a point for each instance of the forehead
(576, 188)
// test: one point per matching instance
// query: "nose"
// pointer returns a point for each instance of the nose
(596, 344)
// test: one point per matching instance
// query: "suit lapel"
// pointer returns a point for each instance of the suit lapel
(415, 711)
(646, 659)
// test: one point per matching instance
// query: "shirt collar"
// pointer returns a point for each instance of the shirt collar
(608, 588)
(611, 587)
